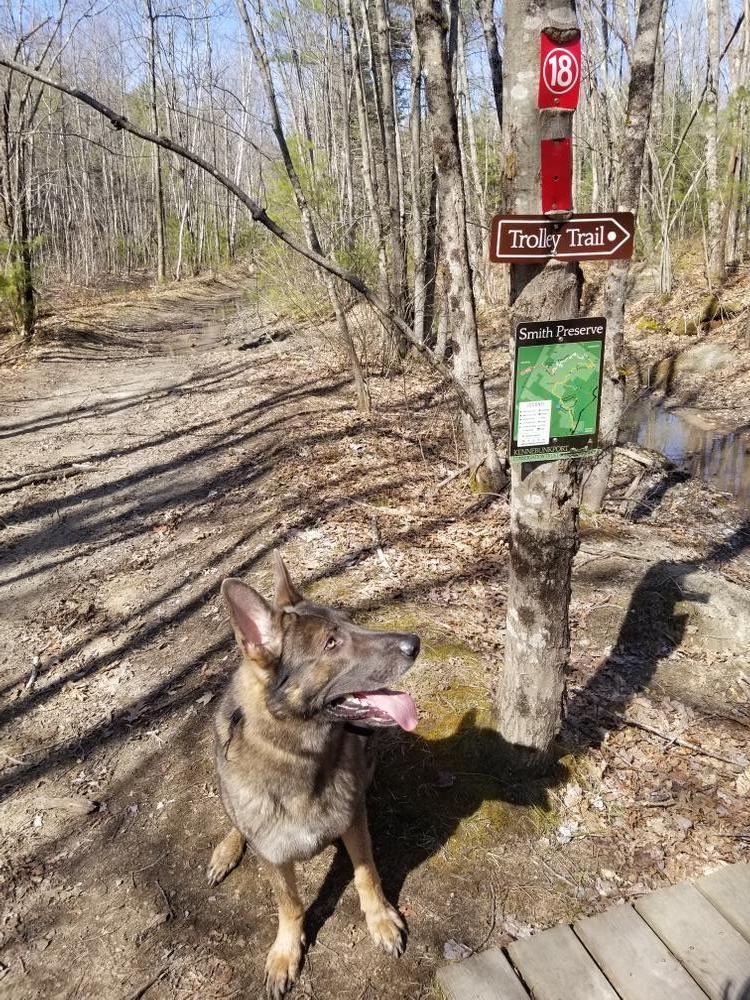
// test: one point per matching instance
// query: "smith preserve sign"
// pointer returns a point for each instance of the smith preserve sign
(557, 380)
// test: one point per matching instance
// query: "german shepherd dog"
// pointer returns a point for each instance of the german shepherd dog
(291, 734)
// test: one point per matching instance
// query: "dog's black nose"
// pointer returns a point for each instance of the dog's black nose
(409, 646)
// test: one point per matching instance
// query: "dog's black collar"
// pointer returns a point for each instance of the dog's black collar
(352, 727)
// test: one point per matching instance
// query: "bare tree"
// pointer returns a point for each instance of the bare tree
(483, 458)
(713, 26)
(360, 384)
(634, 131)
(159, 213)
(544, 496)
(415, 177)
(393, 174)
(19, 113)
(485, 9)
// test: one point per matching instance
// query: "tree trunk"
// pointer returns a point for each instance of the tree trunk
(637, 120)
(544, 496)
(728, 231)
(486, 467)
(470, 160)
(430, 255)
(398, 261)
(360, 384)
(24, 278)
(485, 9)
(417, 222)
(369, 174)
(161, 240)
(716, 264)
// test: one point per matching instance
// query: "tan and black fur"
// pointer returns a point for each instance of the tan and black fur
(291, 752)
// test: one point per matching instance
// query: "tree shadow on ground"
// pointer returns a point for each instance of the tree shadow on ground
(653, 628)
(434, 796)
(443, 793)
(141, 874)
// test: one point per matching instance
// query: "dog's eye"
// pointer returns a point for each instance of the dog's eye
(331, 642)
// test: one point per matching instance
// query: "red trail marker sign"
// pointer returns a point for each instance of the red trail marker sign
(557, 175)
(559, 73)
(592, 236)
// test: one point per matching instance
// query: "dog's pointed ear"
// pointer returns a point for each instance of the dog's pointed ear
(252, 617)
(287, 594)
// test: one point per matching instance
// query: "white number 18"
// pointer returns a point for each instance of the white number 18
(561, 70)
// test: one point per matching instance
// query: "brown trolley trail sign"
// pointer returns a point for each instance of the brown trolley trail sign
(590, 236)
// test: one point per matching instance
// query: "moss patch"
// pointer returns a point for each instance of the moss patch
(443, 789)
(648, 324)
(438, 644)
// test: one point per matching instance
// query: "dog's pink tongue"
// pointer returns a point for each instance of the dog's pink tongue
(397, 704)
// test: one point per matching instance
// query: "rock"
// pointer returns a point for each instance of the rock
(454, 951)
(643, 280)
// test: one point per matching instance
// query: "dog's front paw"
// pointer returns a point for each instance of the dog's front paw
(387, 929)
(219, 866)
(225, 857)
(282, 967)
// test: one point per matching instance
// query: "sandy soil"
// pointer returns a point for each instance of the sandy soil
(144, 458)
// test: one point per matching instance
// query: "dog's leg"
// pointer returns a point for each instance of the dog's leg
(384, 922)
(226, 856)
(285, 957)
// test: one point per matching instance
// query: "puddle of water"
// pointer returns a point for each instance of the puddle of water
(718, 458)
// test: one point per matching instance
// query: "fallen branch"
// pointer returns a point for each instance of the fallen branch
(45, 477)
(454, 475)
(491, 924)
(382, 557)
(632, 489)
(683, 743)
(120, 121)
(612, 554)
(635, 456)
(143, 990)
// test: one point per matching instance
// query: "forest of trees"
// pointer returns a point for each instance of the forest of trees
(317, 108)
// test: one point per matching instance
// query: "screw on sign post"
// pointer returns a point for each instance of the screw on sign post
(560, 71)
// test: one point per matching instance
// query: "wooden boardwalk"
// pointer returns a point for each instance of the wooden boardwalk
(688, 942)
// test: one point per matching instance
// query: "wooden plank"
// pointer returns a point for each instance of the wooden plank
(486, 976)
(713, 952)
(555, 966)
(633, 958)
(728, 889)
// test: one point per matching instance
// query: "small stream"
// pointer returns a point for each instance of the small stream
(719, 458)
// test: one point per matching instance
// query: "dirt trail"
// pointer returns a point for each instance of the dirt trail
(160, 459)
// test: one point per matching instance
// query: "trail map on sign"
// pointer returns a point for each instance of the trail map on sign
(556, 389)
